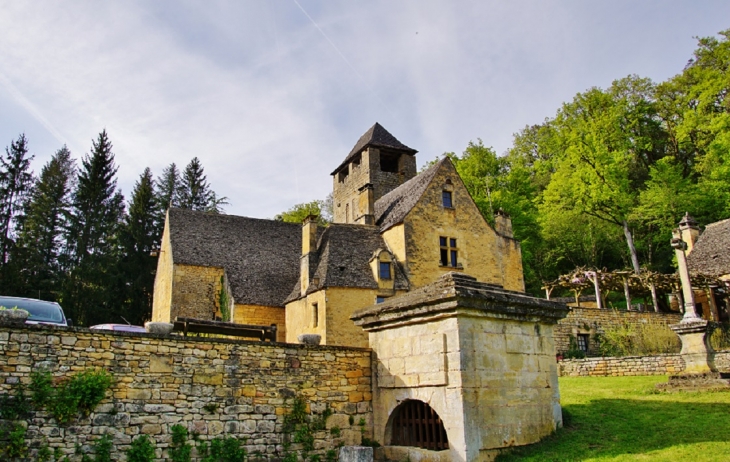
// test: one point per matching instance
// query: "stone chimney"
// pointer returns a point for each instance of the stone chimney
(689, 231)
(366, 205)
(503, 224)
(309, 249)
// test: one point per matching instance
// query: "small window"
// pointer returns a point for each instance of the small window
(315, 315)
(583, 342)
(379, 299)
(385, 272)
(446, 199)
(449, 252)
(389, 162)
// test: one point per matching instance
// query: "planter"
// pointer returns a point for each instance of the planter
(163, 328)
(13, 317)
(309, 339)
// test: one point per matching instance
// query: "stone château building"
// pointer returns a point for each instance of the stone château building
(393, 231)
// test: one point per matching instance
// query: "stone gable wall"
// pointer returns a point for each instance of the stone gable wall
(633, 365)
(482, 253)
(161, 381)
(592, 321)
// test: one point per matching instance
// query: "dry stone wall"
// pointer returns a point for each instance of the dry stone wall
(633, 365)
(592, 321)
(214, 387)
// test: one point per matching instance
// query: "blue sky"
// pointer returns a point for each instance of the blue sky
(272, 95)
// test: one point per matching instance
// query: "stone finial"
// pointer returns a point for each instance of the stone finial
(689, 231)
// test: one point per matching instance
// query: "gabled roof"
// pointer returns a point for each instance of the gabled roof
(711, 253)
(344, 252)
(260, 257)
(377, 137)
(392, 208)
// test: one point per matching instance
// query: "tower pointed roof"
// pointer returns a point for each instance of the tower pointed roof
(378, 137)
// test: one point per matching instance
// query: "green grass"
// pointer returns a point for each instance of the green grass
(624, 418)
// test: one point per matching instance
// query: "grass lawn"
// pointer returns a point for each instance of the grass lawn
(623, 418)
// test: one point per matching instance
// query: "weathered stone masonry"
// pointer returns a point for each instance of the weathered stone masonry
(666, 364)
(592, 321)
(161, 381)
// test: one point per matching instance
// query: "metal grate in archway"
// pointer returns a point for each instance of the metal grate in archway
(415, 423)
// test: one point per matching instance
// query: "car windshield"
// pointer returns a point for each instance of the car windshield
(39, 310)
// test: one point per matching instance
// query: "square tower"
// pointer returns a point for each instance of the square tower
(377, 164)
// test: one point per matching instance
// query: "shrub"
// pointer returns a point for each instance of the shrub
(638, 339)
(103, 449)
(180, 449)
(142, 449)
(720, 338)
(15, 446)
(41, 387)
(228, 449)
(81, 393)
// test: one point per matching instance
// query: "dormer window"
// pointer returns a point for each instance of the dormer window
(446, 199)
(385, 270)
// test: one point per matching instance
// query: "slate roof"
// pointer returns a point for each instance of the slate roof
(711, 253)
(260, 257)
(378, 137)
(393, 207)
(343, 259)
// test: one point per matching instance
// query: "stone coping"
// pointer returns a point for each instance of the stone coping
(457, 293)
(45, 328)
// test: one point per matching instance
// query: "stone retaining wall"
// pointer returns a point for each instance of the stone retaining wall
(161, 381)
(632, 365)
(592, 321)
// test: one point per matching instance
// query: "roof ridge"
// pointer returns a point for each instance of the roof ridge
(411, 191)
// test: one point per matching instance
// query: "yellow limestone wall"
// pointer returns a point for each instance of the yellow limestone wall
(262, 316)
(335, 306)
(162, 298)
(493, 382)
(483, 253)
(195, 291)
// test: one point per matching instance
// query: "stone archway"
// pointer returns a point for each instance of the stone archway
(416, 424)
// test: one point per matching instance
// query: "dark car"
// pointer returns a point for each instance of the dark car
(119, 327)
(41, 312)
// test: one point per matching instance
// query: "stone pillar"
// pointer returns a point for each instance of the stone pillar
(692, 330)
(483, 358)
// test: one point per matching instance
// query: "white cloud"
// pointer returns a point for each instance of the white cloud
(271, 106)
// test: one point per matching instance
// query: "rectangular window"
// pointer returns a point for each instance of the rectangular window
(446, 199)
(583, 342)
(315, 315)
(385, 270)
(449, 252)
(379, 299)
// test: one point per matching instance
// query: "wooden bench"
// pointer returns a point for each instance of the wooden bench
(232, 329)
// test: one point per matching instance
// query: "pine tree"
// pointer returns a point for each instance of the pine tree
(16, 182)
(91, 292)
(195, 192)
(167, 188)
(138, 240)
(40, 247)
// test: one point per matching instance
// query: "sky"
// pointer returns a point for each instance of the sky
(271, 95)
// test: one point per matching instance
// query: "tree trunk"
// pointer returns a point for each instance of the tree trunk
(627, 294)
(632, 249)
(654, 301)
